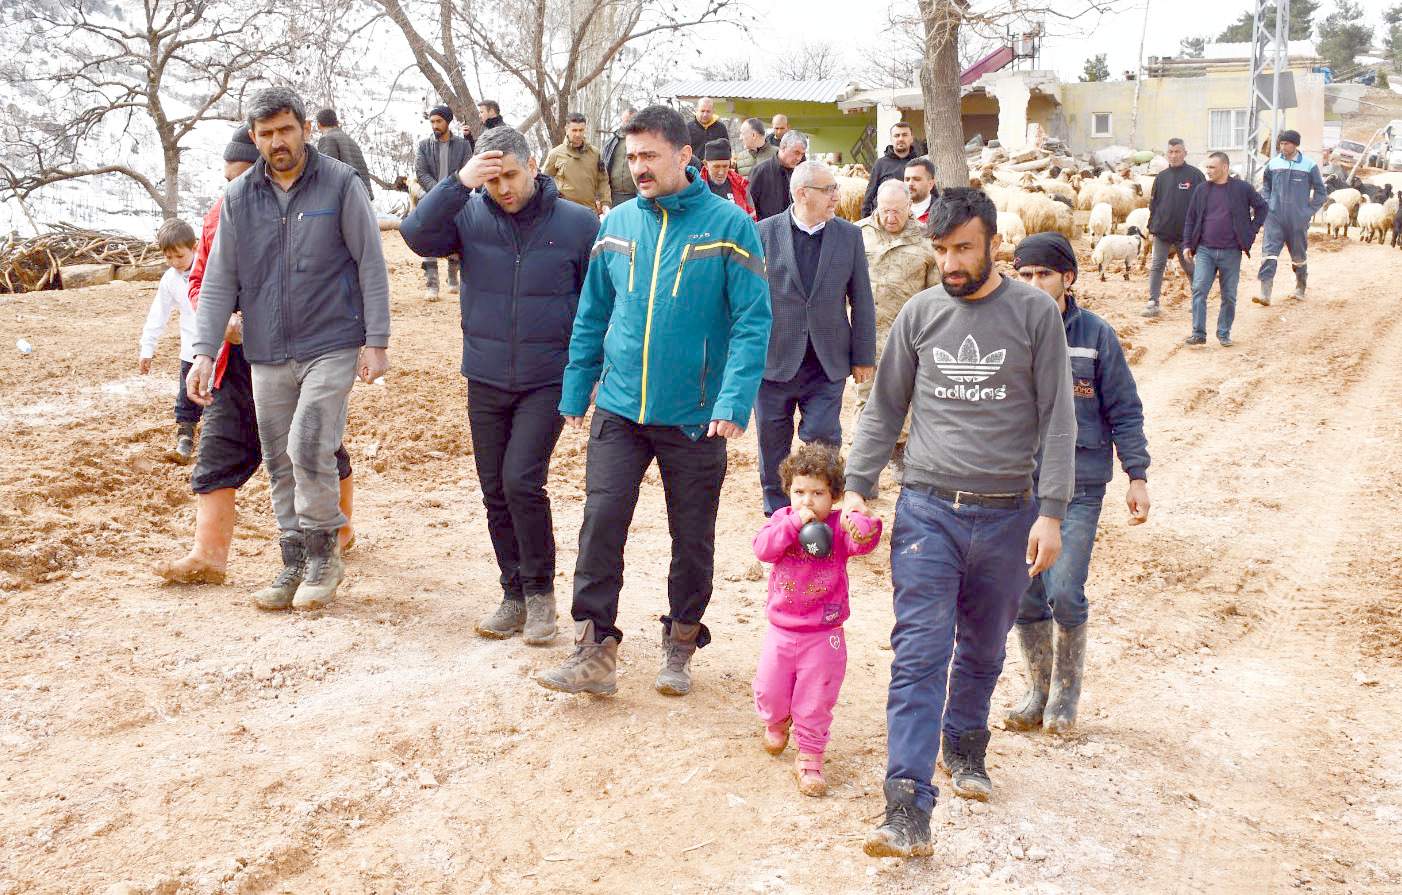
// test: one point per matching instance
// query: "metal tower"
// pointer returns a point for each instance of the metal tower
(1263, 115)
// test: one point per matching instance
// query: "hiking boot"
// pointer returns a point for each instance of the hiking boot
(324, 571)
(592, 668)
(1060, 714)
(678, 646)
(540, 619)
(279, 594)
(905, 833)
(184, 450)
(964, 759)
(1264, 299)
(1151, 310)
(1036, 640)
(508, 618)
(1195, 341)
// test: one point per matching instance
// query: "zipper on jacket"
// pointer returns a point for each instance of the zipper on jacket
(632, 252)
(677, 284)
(705, 349)
(651, 299)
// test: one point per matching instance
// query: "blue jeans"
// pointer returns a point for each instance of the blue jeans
(1288, 236)
(1060, 592)
(958, 575)
(1208, 264)
(819, 401)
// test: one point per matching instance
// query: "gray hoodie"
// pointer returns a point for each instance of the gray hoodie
(988, 385)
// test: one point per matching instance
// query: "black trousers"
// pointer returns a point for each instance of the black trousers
(693, 471)
(229, 451)
(513, 436)
(186, 411)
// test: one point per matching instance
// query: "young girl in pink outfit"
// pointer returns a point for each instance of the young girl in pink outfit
(804, 656)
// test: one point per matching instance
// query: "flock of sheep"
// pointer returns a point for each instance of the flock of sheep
(1371, 207)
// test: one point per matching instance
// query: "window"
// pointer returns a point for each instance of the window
(1100, 125)
(1226, 129)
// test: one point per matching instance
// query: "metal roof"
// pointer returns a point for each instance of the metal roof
(762, 88)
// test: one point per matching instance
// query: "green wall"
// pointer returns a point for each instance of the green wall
(829, 129)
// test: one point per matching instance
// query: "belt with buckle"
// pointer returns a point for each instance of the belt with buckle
(973, 498)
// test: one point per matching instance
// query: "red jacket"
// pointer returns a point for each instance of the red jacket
(207, 231)
(739, 190)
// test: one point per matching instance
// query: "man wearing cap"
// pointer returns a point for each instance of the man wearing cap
(1294, 190)
(438, 157)
(720, 175)
(1108, 415)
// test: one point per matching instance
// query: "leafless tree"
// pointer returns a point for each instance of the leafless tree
(811, 61)
(113, 74)
(554, 49)
(734, 68)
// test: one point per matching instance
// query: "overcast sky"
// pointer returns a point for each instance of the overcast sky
(781, 23)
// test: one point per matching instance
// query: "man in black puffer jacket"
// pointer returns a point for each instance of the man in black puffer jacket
(524, 255)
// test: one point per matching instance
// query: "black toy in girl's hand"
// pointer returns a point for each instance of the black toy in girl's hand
(816, 539)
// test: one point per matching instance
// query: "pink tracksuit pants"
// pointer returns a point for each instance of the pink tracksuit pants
(799, 676)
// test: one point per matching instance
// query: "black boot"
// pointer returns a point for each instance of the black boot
(324, 571)
(279, 594)
(184, 452)
(452, 273)
(905, 833)
(1036, 640)
(964, 759)
(1060, 715)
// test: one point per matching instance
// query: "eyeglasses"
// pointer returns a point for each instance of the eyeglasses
(829, 189)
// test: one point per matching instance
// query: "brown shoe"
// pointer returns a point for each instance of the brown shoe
(592, 668)
(678, 646)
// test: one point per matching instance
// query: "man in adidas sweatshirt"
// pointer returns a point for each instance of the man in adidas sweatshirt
(981, 363)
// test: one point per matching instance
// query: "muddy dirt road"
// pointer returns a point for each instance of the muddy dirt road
(1239, 726)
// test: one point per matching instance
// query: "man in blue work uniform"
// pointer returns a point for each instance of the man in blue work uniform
(1294, 190)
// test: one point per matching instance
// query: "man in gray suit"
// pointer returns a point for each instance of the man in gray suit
(817, 270)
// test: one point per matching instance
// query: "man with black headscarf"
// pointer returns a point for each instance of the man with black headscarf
(1109, 419)
(439, 157)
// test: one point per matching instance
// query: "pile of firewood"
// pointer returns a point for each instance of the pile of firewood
(29, 265)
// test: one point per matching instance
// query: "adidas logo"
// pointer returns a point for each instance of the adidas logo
(969, 366)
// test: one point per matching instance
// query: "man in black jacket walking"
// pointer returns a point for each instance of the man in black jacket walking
(339, 145)
(891, 165)
(1173, 188)
(1224, 216)
(769, 184)
(525, 252)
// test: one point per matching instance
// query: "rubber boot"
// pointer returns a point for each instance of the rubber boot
(1036, 640)
(1301, 276)
(1060, 714)
(593, 668)
(284, 587)
(431, 281)
(540, 619)
(905, 833)
(324, 571)
(965, 761)
(345, 538)
(1264, 299)
(214, 531)
(678, 646)
(507, 619)
(452, 273)
(184, 450)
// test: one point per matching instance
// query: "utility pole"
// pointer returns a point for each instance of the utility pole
(1263, 115)
(1138, 79)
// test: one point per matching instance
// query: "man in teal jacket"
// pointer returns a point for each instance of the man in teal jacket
(669, 343)
(1294, 191)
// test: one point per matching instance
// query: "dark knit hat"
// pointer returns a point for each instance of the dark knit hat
(1288, 136)
(1050, 250)
(718, 151)
(442, 112)
(241, 148)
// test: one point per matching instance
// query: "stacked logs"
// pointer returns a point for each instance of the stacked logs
(88, 256)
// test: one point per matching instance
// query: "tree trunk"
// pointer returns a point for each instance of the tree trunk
(170, 205)
(939, 88)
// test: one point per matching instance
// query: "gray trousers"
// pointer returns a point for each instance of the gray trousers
(301, 408)
(1159, 260)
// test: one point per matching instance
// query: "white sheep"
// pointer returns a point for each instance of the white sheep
(1350, 199)
(1117, 248)
(1011, 228)
(1101, 221)
(1139, 217)
(1373, 221)
(1336, 218)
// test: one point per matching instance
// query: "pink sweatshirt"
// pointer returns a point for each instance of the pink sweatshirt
(807, 593)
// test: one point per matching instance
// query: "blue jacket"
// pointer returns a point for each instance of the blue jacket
(674, 319)
(1108, 411)
(1248, 214)
(521, 276)
(1293, 190)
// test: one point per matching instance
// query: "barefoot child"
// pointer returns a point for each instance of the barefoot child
(177, 241)
(804, 656)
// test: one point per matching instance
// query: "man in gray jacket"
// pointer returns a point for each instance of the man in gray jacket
(341, 146)
(817, 270)
(298, 252)
(437, 158)
(981, 363)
